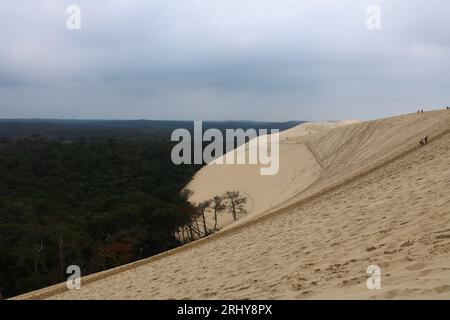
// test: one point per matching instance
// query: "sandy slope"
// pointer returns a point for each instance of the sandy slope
(379, 198)
(311, 162)
(298, 170)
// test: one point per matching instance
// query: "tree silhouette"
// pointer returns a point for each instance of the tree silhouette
(203, 208)
(218, 206)
(235, 203)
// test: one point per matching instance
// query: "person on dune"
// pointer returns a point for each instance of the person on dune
(424, 141)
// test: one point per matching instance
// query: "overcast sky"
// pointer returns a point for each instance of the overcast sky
(269, 60)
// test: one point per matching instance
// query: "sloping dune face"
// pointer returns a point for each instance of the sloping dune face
(346, 151)
(297, 171)
(314, 156)
(379, 199)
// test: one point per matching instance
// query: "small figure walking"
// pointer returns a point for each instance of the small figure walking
(424, 141)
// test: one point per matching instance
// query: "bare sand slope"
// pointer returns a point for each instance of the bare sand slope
(314, 156)
(390, 207)
(298, 170)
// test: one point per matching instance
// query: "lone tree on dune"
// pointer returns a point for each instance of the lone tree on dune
(218, 206)
(235, 203)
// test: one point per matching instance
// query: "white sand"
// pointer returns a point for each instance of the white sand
(378, 198)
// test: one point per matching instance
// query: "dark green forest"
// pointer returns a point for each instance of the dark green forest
(97, 204)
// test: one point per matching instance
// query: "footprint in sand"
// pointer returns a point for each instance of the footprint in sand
(416, 266)
(391, 294)
(442, 289)
(353, 281)
(305, 294)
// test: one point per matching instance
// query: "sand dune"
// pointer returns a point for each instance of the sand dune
(333, 152)
(298, 170)
(369, 194)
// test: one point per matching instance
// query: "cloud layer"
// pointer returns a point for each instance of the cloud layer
(221, 60)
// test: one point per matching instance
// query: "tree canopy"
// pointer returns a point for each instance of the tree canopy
(96, 204)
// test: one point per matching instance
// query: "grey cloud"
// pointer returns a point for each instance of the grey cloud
(262, 60)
